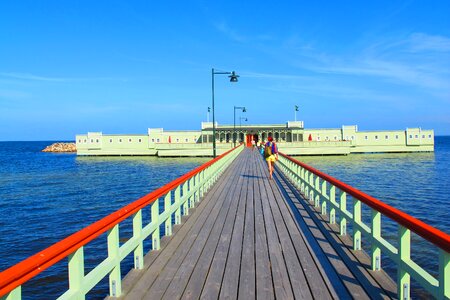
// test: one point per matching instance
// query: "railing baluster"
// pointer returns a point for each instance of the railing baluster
(444, 274)
(115, 280)
(332, 201)
(155, 220)
(356, 221)
(178, 205)
(323, 197)
(404, 252)
(137, 233)
(317, 191)
(376, 233)
(76, 272)
(185, 199)
(343, 208)
(191, 188)
(167, 206)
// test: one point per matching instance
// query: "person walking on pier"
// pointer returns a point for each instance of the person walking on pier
(270, 154)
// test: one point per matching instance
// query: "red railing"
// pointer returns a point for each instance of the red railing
(431, 234)
(32, 266)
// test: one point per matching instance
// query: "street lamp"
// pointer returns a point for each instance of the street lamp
(234, 122)
(233, 78)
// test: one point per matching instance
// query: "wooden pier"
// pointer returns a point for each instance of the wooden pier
(255, 238)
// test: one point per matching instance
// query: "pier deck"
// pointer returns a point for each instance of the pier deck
(250, 238)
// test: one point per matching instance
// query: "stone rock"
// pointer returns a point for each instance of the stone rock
(61, 147)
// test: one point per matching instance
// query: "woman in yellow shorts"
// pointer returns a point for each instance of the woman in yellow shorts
(270, 155)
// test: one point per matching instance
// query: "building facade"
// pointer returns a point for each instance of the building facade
(292, 138)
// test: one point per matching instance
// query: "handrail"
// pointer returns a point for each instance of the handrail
(321, 188)
(32, 266)
(433, 235)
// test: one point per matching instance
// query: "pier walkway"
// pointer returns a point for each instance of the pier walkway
(252, 238)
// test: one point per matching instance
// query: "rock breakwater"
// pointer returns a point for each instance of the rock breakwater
(61, 147)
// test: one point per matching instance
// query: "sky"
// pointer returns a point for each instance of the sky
(72, 67)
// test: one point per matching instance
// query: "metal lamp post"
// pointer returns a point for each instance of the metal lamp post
(233, 78)
(234, 122)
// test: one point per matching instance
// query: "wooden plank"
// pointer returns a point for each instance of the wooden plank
(281, 282)
(264, 283)
(230, 280)
(160, 258)
(321, 254)
(158, 287)
(199, 275)
(247, 278)
(212, 285)
(196, 264)
(297, 278)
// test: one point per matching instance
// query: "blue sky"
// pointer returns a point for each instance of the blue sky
(69, 67)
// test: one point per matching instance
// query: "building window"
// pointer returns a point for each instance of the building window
(318, 138)
(186, 140)
(376, 137)
(157, 140)
(429, 136)
(84, 140)
(140, 140)
(110, 140)
(96, 140)
(92, 140)
(410, 136)
(386, 137)
(396, 136)
(416, 136)
(335, 137)
(129, 140)
(178, 140)
(352, 137)
(120, 140)
(153, 140)
(79, 141)
(366, 137)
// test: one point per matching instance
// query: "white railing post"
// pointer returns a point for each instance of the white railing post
(404, 252)
(115, 279)
(323, 197)
(376, 234)
(137, 234)
(76, 273)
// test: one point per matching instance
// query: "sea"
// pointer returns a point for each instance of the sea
(44, 197)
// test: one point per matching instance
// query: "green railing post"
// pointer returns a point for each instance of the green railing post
(155, 220)
(168, 221)
(404, 252)
(15, 294)
(444, 274)
(137, 234)
(191, 188)
(343, 208)
(76, 273)
(317, 191)
(185, 199)
(376, 233)
(115, 280)
(178, 205)
(323, 197)
(196, 184)
(356, 221)
(332, 201)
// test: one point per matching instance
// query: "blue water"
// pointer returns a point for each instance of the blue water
(45, 197)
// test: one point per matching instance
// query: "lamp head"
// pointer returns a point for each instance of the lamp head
(233, 77)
